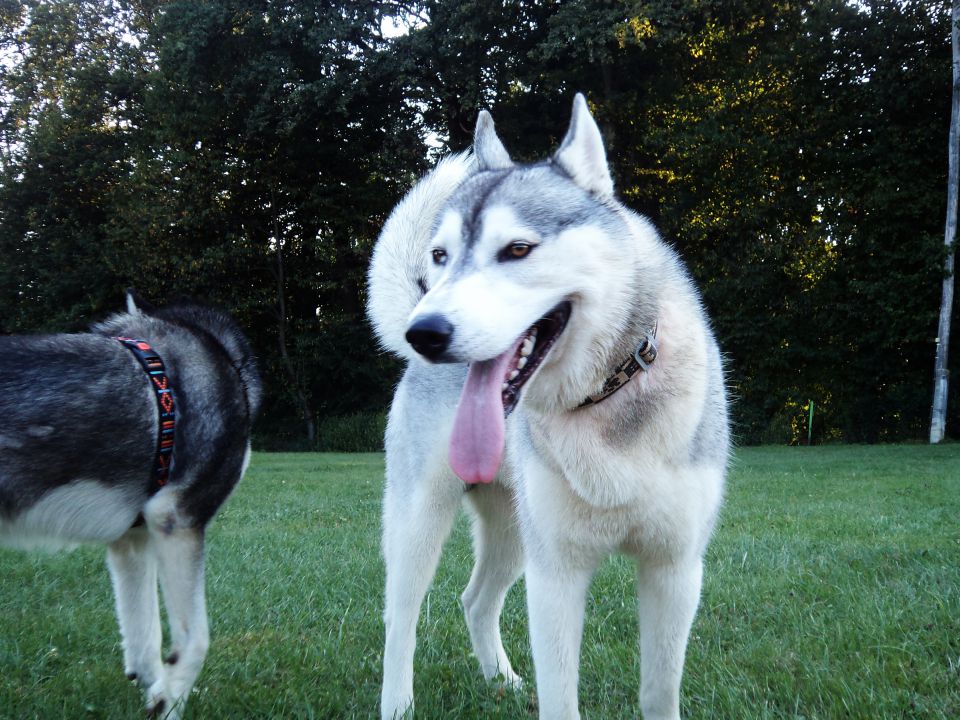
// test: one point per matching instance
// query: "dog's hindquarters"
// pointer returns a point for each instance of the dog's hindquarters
(78, 437)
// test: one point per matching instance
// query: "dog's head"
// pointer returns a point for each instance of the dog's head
(519, 263)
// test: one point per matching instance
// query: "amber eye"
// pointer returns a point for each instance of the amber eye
(516, 250)
(439, 256)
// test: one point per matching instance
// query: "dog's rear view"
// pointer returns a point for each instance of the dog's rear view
(131, 435)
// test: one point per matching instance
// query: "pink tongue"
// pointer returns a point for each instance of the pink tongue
(476, 445)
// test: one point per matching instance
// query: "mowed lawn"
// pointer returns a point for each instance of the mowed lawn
(832, 590)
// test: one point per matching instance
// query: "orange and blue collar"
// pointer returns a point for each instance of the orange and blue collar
(157, 373)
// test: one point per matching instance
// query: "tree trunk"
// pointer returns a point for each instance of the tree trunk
(306, 412)
(940, 373)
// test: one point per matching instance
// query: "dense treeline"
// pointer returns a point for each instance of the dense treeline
(247, 152)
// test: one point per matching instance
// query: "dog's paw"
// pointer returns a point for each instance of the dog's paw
(156, 710)
(144, 674)
(159, 703)
(511, 682)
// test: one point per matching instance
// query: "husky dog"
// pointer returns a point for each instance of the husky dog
(84, 423)
(529, 291)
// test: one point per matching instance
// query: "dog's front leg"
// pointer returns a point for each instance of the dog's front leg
(556, 599)
(180, 554)
(416, 522)
(179, 547)
(133, 570)
(668, 596)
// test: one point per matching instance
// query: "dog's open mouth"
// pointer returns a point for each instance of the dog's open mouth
(491, 392)
(531, 352)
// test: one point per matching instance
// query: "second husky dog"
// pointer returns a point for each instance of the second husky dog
(131, 435)
(529, 288)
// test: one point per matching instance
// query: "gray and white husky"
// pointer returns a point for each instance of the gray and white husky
(529, 291)
(79, 440)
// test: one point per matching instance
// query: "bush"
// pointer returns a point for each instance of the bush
(357, 432)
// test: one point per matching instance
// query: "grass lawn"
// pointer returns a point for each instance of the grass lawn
(832, 590)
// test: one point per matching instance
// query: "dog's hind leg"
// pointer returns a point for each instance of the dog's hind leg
(416, 523)
(133, 570)
(668, 596)
(499, 562)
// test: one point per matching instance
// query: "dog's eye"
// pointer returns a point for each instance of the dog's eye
(439, 256)
(516, 250)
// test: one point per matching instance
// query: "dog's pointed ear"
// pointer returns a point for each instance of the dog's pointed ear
(487, 148)
(136, 304)
(581, 153)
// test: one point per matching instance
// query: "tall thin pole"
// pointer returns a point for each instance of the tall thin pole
(941, 374)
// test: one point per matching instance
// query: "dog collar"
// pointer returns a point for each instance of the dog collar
(157, 373)
(643, 356)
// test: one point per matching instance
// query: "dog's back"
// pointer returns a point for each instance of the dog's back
(79, 428)
(80, 423)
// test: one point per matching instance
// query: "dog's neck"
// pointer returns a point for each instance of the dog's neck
(644, 354)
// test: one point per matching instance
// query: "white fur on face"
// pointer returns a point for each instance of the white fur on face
(491, 302)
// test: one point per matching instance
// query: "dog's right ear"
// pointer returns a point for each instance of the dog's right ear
(136, 304)
(487, 148)
(581, 153)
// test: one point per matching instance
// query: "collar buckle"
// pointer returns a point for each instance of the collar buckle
(646, 352)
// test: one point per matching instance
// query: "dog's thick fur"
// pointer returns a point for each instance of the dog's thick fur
(476, 254)
(77, 448)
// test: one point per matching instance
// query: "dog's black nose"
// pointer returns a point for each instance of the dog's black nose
(430, 335)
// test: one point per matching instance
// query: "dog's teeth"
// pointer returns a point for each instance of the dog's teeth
(527, 347)
(513, 374)
(521, 363)
(504, 387)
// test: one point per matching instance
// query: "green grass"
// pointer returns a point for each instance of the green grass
(832, 590)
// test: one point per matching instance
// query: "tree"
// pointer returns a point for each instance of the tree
(286, 142)
(941, 374)
(247, 152)
(69, 78)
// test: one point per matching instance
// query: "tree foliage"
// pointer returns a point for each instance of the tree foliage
(247, 152)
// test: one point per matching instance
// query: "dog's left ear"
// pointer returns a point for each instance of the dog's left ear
(136, 304)
(581, 153)
(487, 148)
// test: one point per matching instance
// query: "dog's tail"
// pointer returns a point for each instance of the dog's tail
(397, 278)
